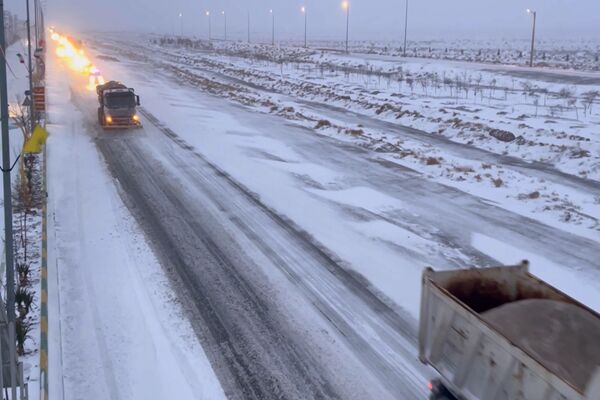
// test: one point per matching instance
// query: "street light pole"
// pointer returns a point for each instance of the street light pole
(534, 13)
(272, 28)
(405, 27)
(209, 32)
(181, 23)
(35, 21)
(225, 16)
(29, 70)
(8, 217)
(346, 6)
(248, 26)
(303, 9)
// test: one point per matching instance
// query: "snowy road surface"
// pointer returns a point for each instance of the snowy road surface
(297, 258)
(116, 329)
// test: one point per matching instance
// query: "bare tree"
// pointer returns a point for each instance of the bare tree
(527, 87)
(572, 102)
(411, 84)
(493, 84)
(424, 83)
(448, 82)
(20, 116)
(588, 100)
(566, 93)
(536, 103)
(545, 92)
(478, 80)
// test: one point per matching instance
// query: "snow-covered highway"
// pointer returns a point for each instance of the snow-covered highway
(295, 257)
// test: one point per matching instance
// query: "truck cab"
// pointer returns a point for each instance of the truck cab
(117, 106)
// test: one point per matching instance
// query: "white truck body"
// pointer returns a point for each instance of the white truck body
(475, 361)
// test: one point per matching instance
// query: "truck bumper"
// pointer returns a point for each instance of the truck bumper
(112, 127)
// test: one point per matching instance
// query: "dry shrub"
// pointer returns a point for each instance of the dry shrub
(432, 161)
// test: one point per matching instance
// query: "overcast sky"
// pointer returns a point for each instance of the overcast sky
(369, 19)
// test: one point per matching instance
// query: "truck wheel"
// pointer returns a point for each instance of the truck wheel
(440, 392)
(440, 396)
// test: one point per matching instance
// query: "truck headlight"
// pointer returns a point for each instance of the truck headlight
(136, 118)
(108, 119)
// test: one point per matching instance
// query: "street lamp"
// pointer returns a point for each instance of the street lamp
(209, 27)
(346, 7)
(303, 10)
(181, 22)
(225, 16)
(534, 13)
(248, 26)
(272, 27)
(405, 26)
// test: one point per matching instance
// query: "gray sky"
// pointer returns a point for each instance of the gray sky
(369, 19)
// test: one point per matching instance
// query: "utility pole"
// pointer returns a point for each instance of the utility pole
(8, 220)
(405, 27)
(534, 13)
(29, 70)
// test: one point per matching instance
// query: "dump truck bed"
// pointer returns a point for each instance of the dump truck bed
(476, 357)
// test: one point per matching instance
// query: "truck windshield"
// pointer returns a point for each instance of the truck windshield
(120, 100)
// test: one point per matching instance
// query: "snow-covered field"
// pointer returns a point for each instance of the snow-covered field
(581, 54)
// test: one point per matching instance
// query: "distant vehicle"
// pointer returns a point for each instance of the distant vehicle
(95, 78)
(501, 333)
(118, 104)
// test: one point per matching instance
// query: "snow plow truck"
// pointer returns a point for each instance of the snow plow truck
(117, 106)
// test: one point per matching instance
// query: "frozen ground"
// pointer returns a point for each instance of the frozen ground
(298, 250)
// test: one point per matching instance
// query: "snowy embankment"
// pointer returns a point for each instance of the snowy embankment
(536, 121)
(116, 328)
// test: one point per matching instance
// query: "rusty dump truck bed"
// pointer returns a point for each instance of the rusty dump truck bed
(478, 330)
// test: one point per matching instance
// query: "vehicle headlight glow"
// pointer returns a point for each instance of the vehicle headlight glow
(109, 119)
